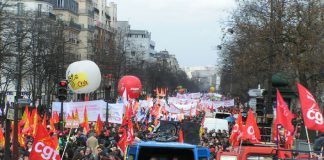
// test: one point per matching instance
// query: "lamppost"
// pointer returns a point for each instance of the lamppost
(107, 97)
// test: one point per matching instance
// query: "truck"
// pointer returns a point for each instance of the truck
(152, 150)
(264, 152)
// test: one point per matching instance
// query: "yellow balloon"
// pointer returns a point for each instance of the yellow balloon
(212, 89)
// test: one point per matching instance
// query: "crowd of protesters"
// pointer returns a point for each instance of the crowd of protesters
(104, 146)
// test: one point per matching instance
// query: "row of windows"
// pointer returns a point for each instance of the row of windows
(68, 4)
(137, 36)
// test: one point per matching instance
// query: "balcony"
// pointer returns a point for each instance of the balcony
(104, 26)
(86, 12)
(88, 27)
(74, 25)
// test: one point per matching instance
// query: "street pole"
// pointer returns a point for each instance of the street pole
(61, 118)
(271, 50)
(107, 114)
(18, 83)
(107, 97)
(7, 136)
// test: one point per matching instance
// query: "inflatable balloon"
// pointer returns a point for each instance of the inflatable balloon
(212, 89)
(132, 85)
(83, 76)
(182, 91)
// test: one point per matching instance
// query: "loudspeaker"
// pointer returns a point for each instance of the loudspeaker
(191, 132)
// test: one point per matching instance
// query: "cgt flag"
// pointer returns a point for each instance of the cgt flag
(283, 116)
(312, 114)
(251, 130)
(43, 147)
(236, 134)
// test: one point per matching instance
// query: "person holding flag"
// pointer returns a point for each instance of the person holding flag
(283, 118)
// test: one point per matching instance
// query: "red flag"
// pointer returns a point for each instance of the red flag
(56, 117)
(251, 130)
(130, 132)
(180, 136)
(312, 115)
(44, 120)
(52, 127)
(34, 121)
(2, 139)
(283, 115)
(85, 123)
(73, 115)
(237, 131)
(99, 125)
(76, 116)
(24, 117)
(21, 137)
(69, 117)
(27, 126)
(122, 143)
(274, 132)
(55, 141)
(43, 146)
(289, 139)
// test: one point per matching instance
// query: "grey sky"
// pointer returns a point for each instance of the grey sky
(190, 29)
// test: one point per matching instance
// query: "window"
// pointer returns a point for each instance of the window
(260, 157)
(147, 153)
(223, 157)
(133, 53)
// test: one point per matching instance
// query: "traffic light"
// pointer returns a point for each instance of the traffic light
(62, 90)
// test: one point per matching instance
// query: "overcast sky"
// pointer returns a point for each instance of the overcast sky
(189, 29)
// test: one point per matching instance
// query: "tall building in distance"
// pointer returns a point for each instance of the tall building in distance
(167, 60)
(204, 76)
(140, 46)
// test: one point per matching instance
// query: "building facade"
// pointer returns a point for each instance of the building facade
(205, 76)
(167, 60)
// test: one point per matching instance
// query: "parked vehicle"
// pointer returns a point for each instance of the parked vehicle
(264, 152)
(166, 151)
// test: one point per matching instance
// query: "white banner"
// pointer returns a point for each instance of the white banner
(225, 103)
(94, 108)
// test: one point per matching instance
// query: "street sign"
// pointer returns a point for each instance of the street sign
(252, 102)
(24, 101)
(71, 123)
(255, 92)
(10, 114)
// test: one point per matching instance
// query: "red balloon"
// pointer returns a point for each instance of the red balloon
(132, 85)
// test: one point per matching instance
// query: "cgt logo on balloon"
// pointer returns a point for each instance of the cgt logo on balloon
(47, 153)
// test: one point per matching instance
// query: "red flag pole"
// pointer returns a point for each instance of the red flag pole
(240, 147)
(278, 140)
(308, 140)
(66, 143)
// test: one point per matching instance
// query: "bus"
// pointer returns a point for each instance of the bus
(152, 150)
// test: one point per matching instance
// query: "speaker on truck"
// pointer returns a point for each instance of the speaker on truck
(191, 132)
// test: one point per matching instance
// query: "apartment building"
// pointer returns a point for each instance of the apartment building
(139, 46)
(167, 60)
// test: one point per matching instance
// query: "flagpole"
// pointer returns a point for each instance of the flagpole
(240, 146)
(278, 140)
(310, 151)
(67, 141)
